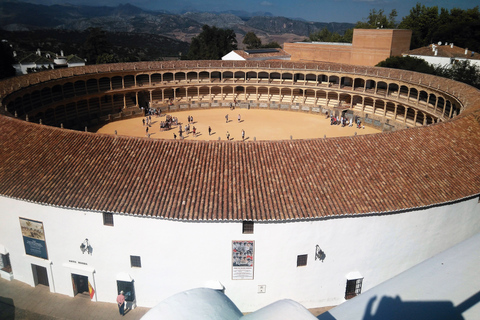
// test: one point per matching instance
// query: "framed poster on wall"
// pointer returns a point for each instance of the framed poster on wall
(242, 260)
(34, 238)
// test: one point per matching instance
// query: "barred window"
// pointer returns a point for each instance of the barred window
(302, 260)
(247, 227)
(135, 262)
(108, 219)
(354, 288)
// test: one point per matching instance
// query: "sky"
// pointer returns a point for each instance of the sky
(311, 10)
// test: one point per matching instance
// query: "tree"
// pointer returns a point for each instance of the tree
(107, 58)
(95, 45)
(458, 26)
(252, 41)
(378, 19)
(408, 63)
(212, 44)
(272, 44)
(326, 35)
(6, 61)
(462, 71)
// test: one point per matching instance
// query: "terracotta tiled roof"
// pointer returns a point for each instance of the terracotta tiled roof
(445, 51)
(258, 180)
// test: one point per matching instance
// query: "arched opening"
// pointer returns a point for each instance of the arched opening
(117, 83)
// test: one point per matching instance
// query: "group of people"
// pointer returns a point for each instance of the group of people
(344, 121)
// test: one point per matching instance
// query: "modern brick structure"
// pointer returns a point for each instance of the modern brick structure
(369, 47)
(316, 220)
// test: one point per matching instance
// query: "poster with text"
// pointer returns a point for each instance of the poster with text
(33, 238)
(242, 260)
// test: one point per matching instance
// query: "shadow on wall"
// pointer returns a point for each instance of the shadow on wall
(7, 308)
(396, 309)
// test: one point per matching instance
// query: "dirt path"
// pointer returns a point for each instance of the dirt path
(261, 124)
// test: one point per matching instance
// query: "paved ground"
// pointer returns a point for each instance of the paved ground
(259, 124)
(20, 301)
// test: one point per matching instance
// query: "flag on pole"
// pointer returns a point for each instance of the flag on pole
(91, 290)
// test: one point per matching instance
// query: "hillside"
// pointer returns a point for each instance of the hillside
(21, 16)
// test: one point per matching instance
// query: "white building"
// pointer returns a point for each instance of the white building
(444, 55)
(43, 60)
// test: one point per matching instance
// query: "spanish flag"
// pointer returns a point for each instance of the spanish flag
(90, 290)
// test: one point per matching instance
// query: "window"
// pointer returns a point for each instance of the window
(135, 261)
(302, 260)
(5, 263)
(247, 227)
(108, 219)
(354, 288)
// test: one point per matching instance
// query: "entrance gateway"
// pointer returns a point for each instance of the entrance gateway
(80, 284)
(40, 275)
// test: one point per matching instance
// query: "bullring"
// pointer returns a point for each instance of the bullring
(375, 205)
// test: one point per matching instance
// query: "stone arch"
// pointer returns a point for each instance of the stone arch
(143, 80)
(92, 86)
(117, 82)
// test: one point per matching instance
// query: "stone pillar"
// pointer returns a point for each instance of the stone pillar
(395, 113)
(415, 118)
(405, 115)
(125, 100)
(451, 109)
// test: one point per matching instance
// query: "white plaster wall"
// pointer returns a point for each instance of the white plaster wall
(178, 256)
(444, 61)
(232, 56)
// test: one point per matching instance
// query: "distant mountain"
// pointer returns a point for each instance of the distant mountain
(16, 16)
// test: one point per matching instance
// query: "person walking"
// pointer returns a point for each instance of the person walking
(239, 117)
(226, 118)
(228, 135)
(209, 130)
(174, 136)
(243, 135)
(121, 303)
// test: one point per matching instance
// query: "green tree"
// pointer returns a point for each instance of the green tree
(326, 35)
(95, 45)
(252, 41)
(212, 44)
(378, 19)
(6, 61)
(408, 63)
(462, 71)
(272, 44)
(423, 22)
(107, 58)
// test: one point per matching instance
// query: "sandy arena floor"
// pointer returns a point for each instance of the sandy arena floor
(261, 124)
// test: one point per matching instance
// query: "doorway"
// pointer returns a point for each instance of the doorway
(40, 275)
(80, 284)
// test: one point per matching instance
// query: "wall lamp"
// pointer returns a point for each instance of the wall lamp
(319, 253)
(86, 247)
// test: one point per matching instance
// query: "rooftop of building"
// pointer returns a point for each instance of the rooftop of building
(252, 54)
(445, 51)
